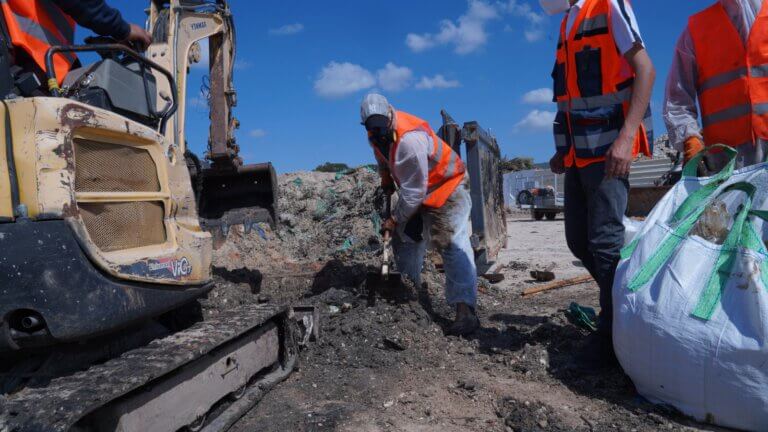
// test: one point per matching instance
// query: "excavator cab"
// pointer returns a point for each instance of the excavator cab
(228, 191)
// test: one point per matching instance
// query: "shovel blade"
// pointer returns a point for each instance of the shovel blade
(389, 287)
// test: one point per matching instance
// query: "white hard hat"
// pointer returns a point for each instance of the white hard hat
(374, 104)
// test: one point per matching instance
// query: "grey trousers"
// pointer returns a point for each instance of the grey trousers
(594, 229)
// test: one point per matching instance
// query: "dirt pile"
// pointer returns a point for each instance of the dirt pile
(326, 236)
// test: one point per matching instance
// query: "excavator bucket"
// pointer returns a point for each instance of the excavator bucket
(244, 195)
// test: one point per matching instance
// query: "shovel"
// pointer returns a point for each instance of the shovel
(384, 282)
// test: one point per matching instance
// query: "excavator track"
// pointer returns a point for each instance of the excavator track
(144, 389)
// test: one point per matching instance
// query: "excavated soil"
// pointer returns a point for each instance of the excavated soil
(389, 367)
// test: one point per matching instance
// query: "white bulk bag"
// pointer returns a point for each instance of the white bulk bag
(690, 323)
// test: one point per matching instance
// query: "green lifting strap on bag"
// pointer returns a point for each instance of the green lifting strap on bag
(668, 246)
(699, 197)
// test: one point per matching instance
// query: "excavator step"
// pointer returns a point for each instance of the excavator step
(202, 378)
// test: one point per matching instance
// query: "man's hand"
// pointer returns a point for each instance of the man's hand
(692, 146)
(557, 163)
(140, 37)
(388, 226)
(619, 157)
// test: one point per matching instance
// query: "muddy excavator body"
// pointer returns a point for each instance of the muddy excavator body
(104, 216)
(104, 226)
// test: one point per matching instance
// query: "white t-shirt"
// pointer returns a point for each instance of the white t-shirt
(626, 32)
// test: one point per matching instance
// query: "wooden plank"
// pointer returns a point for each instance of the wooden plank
(558, 284)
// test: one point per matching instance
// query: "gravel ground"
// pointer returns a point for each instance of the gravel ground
(390, 368)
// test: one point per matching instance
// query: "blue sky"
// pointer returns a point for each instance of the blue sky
(303, 68)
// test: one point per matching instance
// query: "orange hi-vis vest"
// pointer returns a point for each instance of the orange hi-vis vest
(446, 169)
(593, 87)
(732, 78)
(36, 25)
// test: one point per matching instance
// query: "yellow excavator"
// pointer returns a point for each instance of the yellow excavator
(107, 222)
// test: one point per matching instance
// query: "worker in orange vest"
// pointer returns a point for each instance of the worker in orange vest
(727, 71)
(34, 26)
(603, 79)
(433, 203)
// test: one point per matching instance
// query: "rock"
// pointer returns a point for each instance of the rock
(394, 343)
(468, 384)
(543, 423)
(493, 277)
(346, 307)
(542, 275)
(263, 298)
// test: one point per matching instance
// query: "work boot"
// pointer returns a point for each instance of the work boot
(466, 321)
(597, 353)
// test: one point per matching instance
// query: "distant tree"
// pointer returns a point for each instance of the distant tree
(331, 167)
(515, 164)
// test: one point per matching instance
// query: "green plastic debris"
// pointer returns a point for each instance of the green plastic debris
(582, 316)
(298, 181)
(347, 245)
(376, 220)
(321, 210)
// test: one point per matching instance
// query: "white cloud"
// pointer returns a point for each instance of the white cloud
(436, 82)
(536, 121)
(466, 35)
(257, 133)
(341, 79)
(536, 21)
(394, 78)
(287, 30)
(538, 96)
(241, 64)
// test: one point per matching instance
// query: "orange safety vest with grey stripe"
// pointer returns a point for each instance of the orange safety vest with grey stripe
(593, 88)
(36, 25)
(732, 78)
(446, 169)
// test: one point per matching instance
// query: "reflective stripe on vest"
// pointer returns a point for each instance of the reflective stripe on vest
(446, 169)
(36, 25)
(593, 89)
(732, 78)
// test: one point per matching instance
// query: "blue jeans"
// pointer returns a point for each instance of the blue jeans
(447, 230)
(594, 228)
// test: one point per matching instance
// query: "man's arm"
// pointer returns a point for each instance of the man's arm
(680, 110)
(412, 170)
(619, 157)
(626, 34)
(104, 20)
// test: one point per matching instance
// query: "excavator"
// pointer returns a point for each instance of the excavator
(107, 225)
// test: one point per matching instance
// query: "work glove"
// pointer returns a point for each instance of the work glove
(389, 226)
(692, 146)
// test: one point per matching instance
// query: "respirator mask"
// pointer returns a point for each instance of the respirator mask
(554, 7)
(380, 133)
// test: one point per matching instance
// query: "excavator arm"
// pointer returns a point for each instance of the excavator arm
(228, 191)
